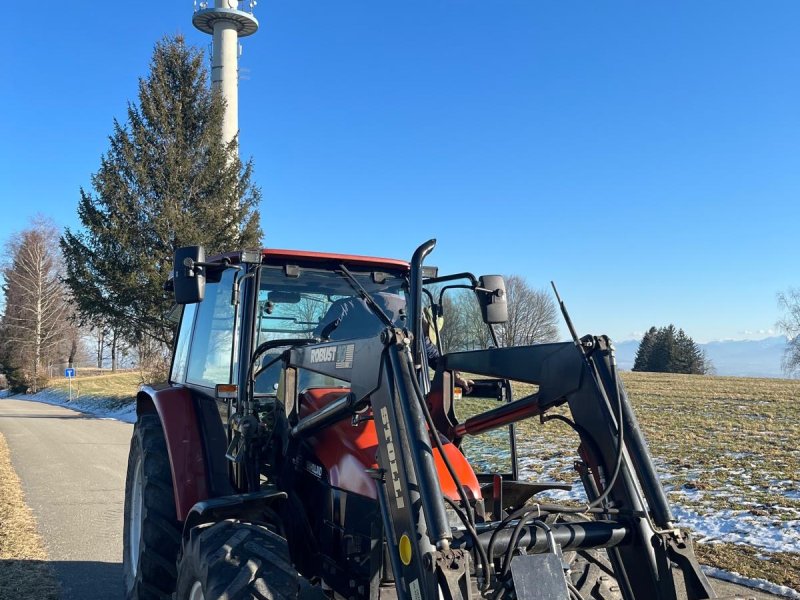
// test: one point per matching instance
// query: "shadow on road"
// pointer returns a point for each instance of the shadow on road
(77, 580)
(48, 416)
(89, 580)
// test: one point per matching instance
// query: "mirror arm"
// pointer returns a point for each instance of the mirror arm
(443, 278)
(225, 263)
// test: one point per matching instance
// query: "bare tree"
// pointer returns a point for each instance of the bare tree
(789, 302)
(452, 331)
(98, 333)
(36, 324)
(476, 332)
(532, 316)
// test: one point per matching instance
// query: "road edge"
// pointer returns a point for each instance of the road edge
(25, 572)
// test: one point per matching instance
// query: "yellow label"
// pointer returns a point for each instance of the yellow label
(405, 549)
(456, 393)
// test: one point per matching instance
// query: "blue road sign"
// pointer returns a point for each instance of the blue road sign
(69, 372)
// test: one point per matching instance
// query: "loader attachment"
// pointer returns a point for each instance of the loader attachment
(643, 544)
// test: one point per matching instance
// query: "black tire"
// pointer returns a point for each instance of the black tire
(236, 561)
(149, 566)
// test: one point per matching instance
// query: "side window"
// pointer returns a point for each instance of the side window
(212, 342)
(178, 374)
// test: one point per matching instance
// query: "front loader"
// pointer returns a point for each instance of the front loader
(304, 447)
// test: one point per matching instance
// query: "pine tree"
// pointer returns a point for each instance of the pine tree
(689, 358)
(644, 351)
(167, 180)
(661, 357)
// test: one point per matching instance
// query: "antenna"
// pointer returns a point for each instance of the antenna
(227, 21)
(564, 312)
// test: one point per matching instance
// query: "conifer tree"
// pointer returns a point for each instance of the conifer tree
(689, 358)
(166, 181)
(644, 351)
(662, 356)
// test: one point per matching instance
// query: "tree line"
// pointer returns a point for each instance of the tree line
(670, 350)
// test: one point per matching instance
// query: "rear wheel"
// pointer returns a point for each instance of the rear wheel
(236, 561)
(151, 533)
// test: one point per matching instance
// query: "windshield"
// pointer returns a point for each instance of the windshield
(317, 303)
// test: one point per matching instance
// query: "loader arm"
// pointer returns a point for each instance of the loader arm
(584, 379)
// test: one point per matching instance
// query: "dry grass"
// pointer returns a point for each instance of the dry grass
(732, 439)
(23, 572)
(120, 386)
(777, 567)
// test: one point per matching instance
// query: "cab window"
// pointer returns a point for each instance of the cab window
(211, 350)
(322, 304)
(179, 363)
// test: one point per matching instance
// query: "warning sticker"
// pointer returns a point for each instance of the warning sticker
(413, 588)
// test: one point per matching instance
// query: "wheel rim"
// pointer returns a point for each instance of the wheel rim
(135, 519)
(197, 592)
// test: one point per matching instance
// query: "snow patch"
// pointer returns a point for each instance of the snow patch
(741, 527)
(102, 408)
(758, 584)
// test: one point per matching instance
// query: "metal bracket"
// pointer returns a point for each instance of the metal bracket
(452, 573)
(396, 336)
(235, 451)
(679, 548)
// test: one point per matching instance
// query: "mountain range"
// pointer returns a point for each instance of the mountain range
(741, 358)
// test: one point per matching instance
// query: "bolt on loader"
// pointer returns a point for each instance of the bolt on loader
(305, 447)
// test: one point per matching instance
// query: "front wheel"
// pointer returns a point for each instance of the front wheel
(236, 561)
(151, 534)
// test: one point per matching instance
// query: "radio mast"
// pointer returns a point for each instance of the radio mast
(227, 21)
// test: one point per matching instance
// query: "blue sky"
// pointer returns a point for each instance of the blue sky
(646, 156)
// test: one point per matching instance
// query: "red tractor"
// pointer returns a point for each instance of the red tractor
(301, 448)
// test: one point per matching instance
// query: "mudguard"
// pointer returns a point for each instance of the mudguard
(178, 416)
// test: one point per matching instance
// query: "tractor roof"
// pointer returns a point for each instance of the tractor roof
(279, 255)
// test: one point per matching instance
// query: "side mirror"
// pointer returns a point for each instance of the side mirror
(189, 275)
(492, 298)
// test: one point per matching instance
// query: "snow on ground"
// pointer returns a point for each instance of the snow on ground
(711, 525)
(741, 527)
(758, 584)
(103, 408)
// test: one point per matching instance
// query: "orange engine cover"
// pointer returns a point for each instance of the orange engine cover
(347, 451)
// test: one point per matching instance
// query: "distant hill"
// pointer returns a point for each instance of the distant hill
(742, 358)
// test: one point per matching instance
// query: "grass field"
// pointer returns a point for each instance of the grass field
(728, 454)
(122, 385)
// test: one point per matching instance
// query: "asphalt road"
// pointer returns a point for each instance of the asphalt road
(72, 467)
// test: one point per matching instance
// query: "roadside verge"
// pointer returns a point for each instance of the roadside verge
(24, 572)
